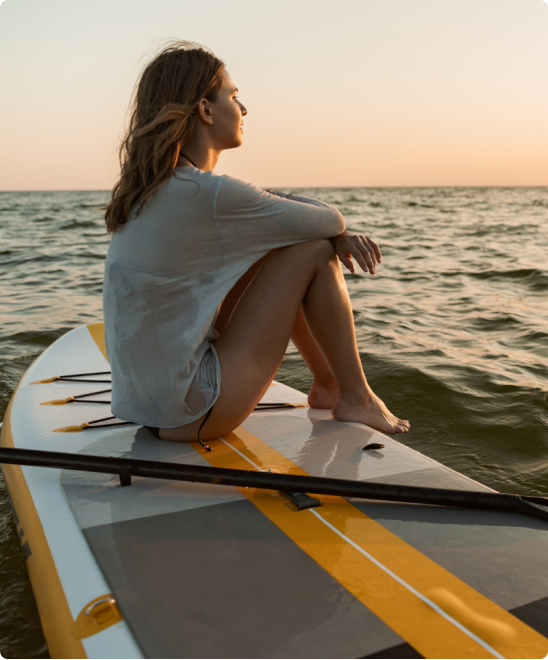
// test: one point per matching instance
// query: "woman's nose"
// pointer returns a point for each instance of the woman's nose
(243, 109)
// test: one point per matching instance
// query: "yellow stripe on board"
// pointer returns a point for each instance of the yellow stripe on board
(51, 601)
(97, 331)
(438, 614)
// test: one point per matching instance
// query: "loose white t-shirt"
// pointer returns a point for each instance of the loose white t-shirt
(167, 271)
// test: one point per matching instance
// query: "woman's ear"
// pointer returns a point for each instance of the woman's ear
(203, 110)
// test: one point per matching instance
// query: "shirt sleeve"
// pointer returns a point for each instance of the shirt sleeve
(257, 221)
(297, 198)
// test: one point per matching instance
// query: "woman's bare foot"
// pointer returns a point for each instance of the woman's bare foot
(323, 394)
(369, 410)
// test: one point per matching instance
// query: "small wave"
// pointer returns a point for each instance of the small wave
(537, 280)
(79, 224)
(345, 210)
(45, 218)
(420, 205)
(499, 230)
(39, 337)
(89, 255)
(535, 337)
(33, 259)
(494, 323)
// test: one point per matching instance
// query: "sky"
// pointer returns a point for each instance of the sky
(345, 93)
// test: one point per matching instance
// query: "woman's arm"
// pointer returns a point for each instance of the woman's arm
(256, 221)
(298, 198)
(347, 245)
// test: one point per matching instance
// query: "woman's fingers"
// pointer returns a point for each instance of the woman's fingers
(365, 245)
(375, 247)
(365, 251)
(362, 255)
(368, 253)
(344, 256)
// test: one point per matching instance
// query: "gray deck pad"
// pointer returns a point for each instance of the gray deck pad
(224, 581)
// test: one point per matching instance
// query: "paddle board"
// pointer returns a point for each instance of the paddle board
(163, 569)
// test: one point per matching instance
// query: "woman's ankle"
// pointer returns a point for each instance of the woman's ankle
(323, 394)
(326, 380)
(356, 396)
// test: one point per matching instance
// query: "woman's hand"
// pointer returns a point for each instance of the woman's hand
(365, 251)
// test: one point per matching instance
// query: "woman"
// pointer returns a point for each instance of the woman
(186, 241)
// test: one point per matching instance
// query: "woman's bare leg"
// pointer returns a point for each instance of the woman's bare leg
(324, 390)
(255, 338)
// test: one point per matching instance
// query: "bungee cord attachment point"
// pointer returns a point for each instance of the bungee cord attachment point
(78, 398)
(94, 424)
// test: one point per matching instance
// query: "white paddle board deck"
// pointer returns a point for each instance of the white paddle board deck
(171, 569)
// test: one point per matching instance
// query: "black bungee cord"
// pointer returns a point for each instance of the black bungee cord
(96, 423)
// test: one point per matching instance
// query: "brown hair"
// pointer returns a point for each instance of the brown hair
(162, 119)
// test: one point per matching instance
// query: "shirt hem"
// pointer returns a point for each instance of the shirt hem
(201, 414)
(174, 426)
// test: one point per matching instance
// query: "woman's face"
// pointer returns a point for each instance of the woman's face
(227, 113)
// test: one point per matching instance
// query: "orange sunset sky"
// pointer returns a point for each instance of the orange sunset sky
(346, 93)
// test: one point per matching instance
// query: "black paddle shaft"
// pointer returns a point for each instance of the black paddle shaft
(128, 467)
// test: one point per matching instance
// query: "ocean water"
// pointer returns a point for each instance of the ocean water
(452, 330)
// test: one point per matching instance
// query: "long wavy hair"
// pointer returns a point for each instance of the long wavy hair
(163, 116)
